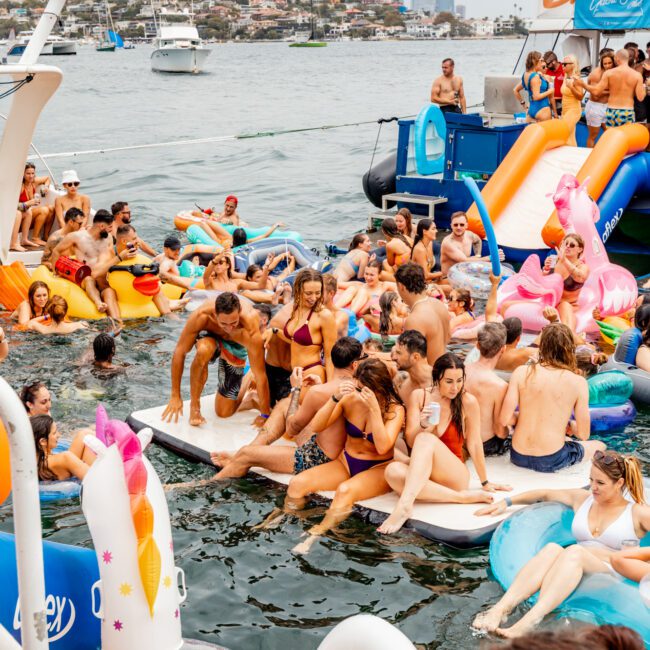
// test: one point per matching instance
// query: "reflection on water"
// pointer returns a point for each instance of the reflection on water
(246, 589)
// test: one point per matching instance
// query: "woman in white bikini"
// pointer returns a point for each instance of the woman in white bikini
(603, 519)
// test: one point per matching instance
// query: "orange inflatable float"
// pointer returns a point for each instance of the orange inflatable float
(5, 467)
(14, 284)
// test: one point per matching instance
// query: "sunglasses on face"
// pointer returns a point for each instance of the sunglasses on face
(126, 212)
(75, 183)
(571, 245)
(363, 357)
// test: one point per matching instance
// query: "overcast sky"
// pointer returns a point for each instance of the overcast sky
(493, 8)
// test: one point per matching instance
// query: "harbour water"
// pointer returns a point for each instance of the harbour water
(246, 590)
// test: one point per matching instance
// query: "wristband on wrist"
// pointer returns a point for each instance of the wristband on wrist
(275, 330)
(508, 501)
(336, 401)
(484, 483)
(295, 389)
(264, 415)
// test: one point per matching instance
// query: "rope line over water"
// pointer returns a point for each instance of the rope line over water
(221, 138)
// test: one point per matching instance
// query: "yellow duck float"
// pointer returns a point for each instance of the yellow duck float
(134, 290)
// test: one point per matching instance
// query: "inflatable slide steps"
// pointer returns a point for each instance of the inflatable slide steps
(453, 524)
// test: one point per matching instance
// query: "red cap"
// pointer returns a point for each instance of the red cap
(147, 285)
(232, 198)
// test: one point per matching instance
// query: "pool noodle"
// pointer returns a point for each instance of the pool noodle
(471, 185)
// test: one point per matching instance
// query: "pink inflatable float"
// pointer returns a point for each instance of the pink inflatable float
(609, 287)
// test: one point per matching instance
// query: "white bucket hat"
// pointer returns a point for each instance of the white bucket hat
(70, 176)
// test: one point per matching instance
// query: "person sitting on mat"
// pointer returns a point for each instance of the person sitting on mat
(488, 388)
(363, 297)
(548, 393)
(373, 415)
(292, 419)
(604, 518)
(226, 331)
(441, 423)
(42, 216)
(72, 463)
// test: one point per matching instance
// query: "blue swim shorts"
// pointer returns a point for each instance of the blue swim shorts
(571, 454)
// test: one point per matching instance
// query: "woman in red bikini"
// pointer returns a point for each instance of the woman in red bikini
(436, 470)
(42, 215)
(373, 416)
(311, 329)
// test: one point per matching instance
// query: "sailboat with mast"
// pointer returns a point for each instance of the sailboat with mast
(105, 43)
(311, 39)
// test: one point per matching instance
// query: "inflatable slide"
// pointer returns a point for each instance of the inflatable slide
(518, 196)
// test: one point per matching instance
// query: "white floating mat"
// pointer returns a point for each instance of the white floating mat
(454, 524)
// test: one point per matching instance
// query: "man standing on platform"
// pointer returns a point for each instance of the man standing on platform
(447, 90)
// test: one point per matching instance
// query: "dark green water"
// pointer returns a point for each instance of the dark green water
(246, 589)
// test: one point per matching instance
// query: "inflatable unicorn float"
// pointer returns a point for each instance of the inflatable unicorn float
(609, 287)
(124, 594)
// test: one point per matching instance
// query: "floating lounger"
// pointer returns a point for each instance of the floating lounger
(453, 524)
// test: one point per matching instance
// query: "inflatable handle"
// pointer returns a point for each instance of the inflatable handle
(97, 611)
(471, 185)
(145, 436)
(182, 589)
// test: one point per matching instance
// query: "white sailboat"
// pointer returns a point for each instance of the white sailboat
(178, 48)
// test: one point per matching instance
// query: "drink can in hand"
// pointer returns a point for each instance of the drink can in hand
(433, 409)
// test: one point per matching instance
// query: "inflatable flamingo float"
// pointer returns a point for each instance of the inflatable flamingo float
(609, 287)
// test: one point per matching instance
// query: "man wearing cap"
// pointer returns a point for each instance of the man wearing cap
(72, 198)
(122, 215)
(229, 216)
(168, 261)
(93, 246)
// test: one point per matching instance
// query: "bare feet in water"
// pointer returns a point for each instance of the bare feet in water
(395, 520)
(489, 620)
(304, 547)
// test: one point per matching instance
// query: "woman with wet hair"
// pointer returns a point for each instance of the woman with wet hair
(373, 415)
(36, 398)
(54, 320)
(603, 519)
(72, 463)
(398, 249)
(38, 295)
(422, 250)
(436, 471)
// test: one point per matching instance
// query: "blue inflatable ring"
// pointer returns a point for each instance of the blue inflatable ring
(599, 598)
(429, 115)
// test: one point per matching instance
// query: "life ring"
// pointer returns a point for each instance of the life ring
(475, 277)
(132, 301)
(430, 117)
(183, 220)
(600, 597)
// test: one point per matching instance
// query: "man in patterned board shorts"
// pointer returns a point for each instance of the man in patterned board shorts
(225, 331)
(623, 84)
(294, 418)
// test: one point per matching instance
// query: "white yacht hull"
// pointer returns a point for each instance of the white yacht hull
(179, 59)
(67, 48)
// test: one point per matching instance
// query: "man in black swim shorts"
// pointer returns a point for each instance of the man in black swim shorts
(312, 450)
(227, 331)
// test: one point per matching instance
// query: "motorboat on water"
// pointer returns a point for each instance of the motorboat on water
(178, 48)
(54, 45)
(435, 152)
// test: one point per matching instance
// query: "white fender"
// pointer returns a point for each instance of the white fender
(365, 632)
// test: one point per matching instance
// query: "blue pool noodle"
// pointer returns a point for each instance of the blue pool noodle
(471, 185)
